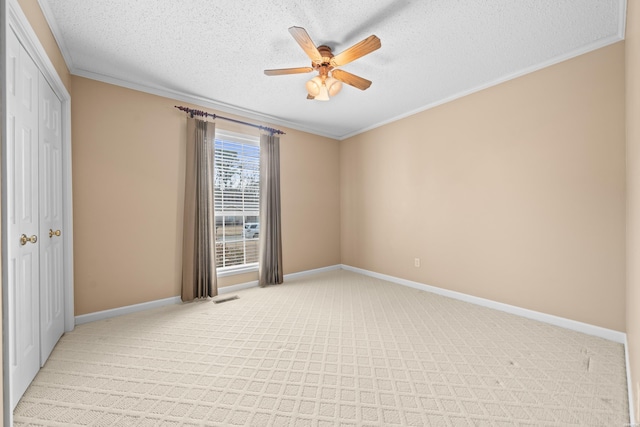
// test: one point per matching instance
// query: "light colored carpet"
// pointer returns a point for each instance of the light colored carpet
(332, 349)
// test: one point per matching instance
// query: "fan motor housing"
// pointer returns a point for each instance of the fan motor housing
(325, 52)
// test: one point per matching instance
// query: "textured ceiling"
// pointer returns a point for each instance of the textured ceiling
(213, 53)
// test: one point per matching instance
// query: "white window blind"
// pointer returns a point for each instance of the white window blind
(237, 199)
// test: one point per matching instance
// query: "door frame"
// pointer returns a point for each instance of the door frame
(17, 22)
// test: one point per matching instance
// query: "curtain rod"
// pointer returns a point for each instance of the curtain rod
(193, 112)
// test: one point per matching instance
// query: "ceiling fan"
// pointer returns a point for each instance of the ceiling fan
(329, 80)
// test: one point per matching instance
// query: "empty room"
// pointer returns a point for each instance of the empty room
(411, 213)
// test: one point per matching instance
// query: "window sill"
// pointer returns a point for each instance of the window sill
(240, 269)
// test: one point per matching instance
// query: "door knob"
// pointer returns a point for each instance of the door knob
(53, 233)
(24, 239)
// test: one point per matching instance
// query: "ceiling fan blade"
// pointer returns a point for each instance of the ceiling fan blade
(281, 71)
(305, 42)
(351, 79)
(356, 51)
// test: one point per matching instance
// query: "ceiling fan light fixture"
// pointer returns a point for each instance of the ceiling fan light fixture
(333, 86)
(323, 90)
(323, 95)
(324, 62)
(313, 86)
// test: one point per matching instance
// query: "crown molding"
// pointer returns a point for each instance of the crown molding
(272, 120)
(536, 67)
(202, 101)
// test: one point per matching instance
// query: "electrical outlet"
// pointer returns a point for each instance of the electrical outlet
(416, 262)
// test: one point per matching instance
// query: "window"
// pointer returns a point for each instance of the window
(237, 201)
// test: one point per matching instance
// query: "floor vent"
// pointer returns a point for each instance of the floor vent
(225, 299)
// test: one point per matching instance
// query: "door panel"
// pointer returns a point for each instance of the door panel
(50, 190)
(22, 218)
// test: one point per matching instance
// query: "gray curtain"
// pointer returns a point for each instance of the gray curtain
(198, 243)
(270, 256)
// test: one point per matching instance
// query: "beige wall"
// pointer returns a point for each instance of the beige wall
(515, 193)
(632, 43)
(128, 184)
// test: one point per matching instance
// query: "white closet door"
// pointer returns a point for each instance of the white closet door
(22, 219)
(50, 190)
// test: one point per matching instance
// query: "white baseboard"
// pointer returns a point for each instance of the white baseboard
(106, 314)
(586, 328)
(290, 276)
(573, 325)
(632, 412)
(293, 276)
(238, 287)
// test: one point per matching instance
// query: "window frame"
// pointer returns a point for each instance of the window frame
(246, 139)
